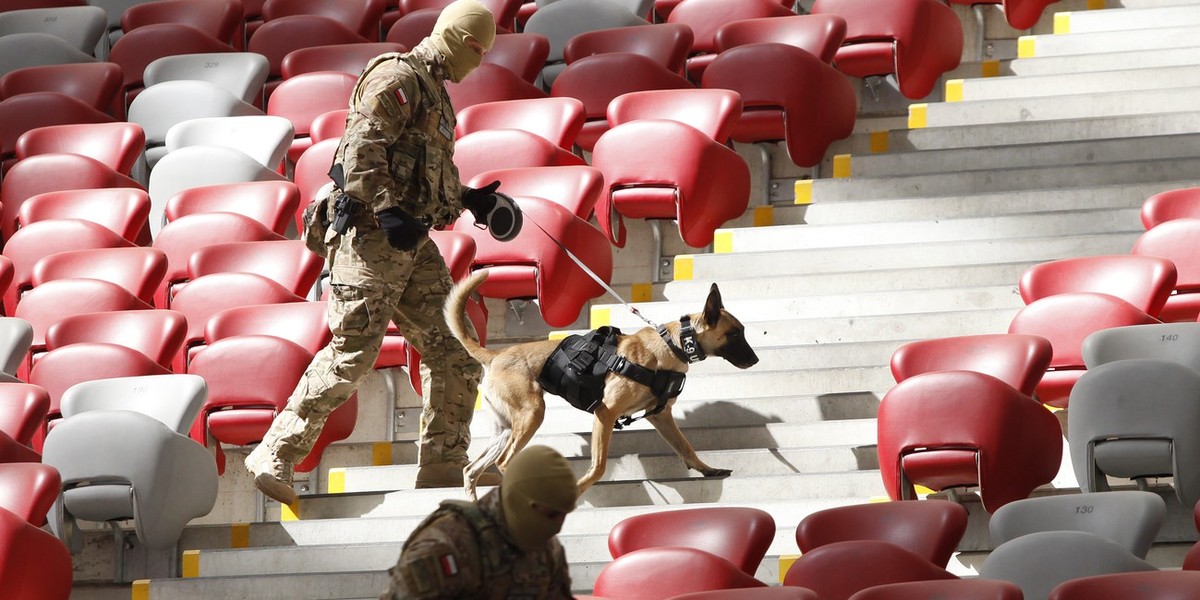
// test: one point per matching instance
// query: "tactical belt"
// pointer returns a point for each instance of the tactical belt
(577, 368)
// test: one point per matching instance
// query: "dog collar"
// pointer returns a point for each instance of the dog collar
(690, 351)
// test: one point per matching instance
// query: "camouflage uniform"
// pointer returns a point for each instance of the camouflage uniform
(397, 151)
(463, 551)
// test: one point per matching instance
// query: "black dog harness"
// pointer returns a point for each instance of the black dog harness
(578, 366)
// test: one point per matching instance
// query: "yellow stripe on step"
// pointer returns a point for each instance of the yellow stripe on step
(337, 481)
(191, 563)
(381, 454)
(141, 590)
(785, 563)
(641, 292)
(1062, 23)
(239, 535)
(954, 90)
(723, 242)
(1026, 46)
(841, 166)
(879, 141)
(803, 191)
(989, 68)
(764, 216)
(684, 264)
(600, 317)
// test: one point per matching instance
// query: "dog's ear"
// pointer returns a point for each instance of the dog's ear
(713, 306)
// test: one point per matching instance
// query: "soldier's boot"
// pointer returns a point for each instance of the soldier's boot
(272, 475)
(446, 475)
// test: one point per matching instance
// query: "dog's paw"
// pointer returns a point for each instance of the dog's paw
(717, 472)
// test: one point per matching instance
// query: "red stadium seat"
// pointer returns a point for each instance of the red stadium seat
(788, 94)
(490, 83)
(1143, 281)
(705, 17)
(342, 58)
(521, 53)
(959, 589)
(156, 333)
(182, 237)
(312, 173)
(930, 529)
(493, 149)
(304, 323)
(287, 262)
(1020, 14)
(562, 21)
(599, 79)
(914, 40)
(28, 490)
(1160, 585)
(279, 37)
(221, 19)
(820, 35)
(1006, 444)
(663, 8)
(271, 203)
(33, 563)
(118, 145)
(51, 173)
(31, 244)
(739, 535)
(836, 571)
(96, 84)
(23, 412)
(660, 573)
(701, 186)
(533, 266)
(1016, 359)
(303, 98)
(330, 125)
(1066, 320)
(12, 451)
(22, 113)
(1183, 203)
(577, 188)
(359, 16)
(139, 270)
(410, 28)
(1174, 241)
(503, 11)
(667, 44)
(124, 210)
(556, 119)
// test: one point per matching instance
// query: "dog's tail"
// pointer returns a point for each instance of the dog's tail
(455, 314)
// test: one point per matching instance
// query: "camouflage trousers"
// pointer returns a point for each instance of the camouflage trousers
(372, 284)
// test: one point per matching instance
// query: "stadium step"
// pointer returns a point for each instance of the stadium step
(1014, 110)
(1170, 36)
(1066, 84)
(1124, 19)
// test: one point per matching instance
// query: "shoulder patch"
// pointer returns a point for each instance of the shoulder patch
(401, 97)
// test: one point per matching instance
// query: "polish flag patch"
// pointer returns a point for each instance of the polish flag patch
(449, 565)
(401, 97)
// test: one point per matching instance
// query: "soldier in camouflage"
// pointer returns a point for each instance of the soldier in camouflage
(395, 180)
(504, 546)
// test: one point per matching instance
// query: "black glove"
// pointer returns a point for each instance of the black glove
(480, 201)
(403, 231)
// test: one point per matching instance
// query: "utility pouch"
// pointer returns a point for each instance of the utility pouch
(316, 224)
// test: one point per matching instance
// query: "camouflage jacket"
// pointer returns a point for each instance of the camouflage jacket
(462, 550)
(398, 148)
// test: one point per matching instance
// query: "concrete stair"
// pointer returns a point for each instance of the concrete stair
(917, 226)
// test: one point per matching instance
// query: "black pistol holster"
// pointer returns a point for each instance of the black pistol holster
(343, 206)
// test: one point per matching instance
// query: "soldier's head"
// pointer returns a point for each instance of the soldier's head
(464, 31)
(537, 492)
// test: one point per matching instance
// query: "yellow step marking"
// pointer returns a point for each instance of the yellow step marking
(141, 590)
(922, 490)
(989, 68)
(289, 512)
(879, 141)
(641, 292)
(804, 191)
(381, 454)
(337, 481)
(191, 563)
(785, 563)
(1096, 5)
(764, 216)
(683, 267)
(1062, 23)
(723, 242)
(558, 335)
(239, 535)
(954, 90)
(1026, 46)
(601, 316)
(841, 166)
(918, 115)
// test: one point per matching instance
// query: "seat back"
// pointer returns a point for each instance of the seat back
(138, 269)
(184, 236)
(960, 589)
(342, 58)
(59, 369)
(16, 335)
(197, 166)
(1038, 562)
(158, 333)
(820, 35)
(173, 400)
(22, 113)
(929, 529)
(1172, 241)
(711, 111)
(22, 50)
(1143, 281)
(1178, 342)
(123, 210)
(557, 119)
(576, 188)
(522, 53)
(118, 145)
(660, 573)
(667, 44)
(28, 490)
(1019, 360)
(1161, 585)
(781, 592)
(304, 323)
(834, 571)
(360, 16)
(739, 535)
(1137, 418)
(1182, 203)
(218, 18)
(264, 138)
(271, 203)
(287, 262)
(1131, 518)
(243, 74)
(161, 106)
(24, 410)
(923, 429)
(204, 297)
(278, 37)
(49, 173)
(31, 244)
(705, 17)
(491, 83)
(142, 46)
(32, 562)
(561, 21)
(95, 83)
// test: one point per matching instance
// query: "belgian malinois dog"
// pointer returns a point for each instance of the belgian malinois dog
(511, 385)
